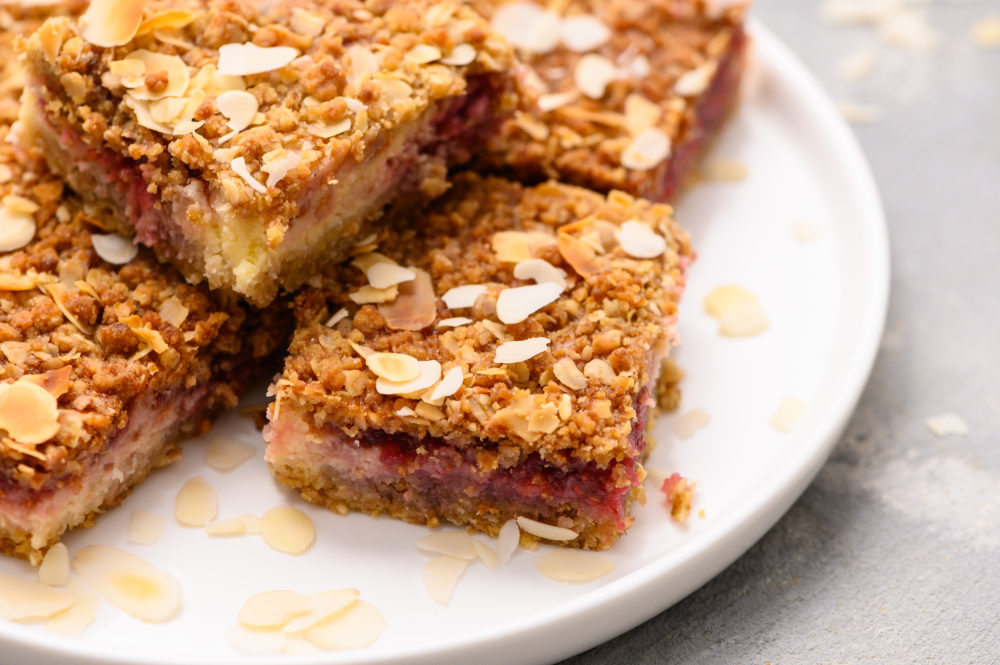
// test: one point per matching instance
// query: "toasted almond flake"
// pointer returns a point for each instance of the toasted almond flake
(517, 246)
(131, 71)
(454, 322)
(496, 329)
(859, 114)
(986, 32)
(573, 565)
(452, 542)
(517, 304)
(364, 262)
(639, 241)
(546, 531)
(363, 62)
(640, 114)
(393, 89)
(725, 170)
(486, 554)
(325, 131)
(145, 528)
(556, 100)
(362, 351)
(449, 385)
(355, 627)
(512, 18)
(337, 317)
(395, 367)
(593, 73)
(273, 609)
(108, 23)
(544, 34)
(584, 33)
(277, 168)
(287, 529)
(307, 23)
(255, 640)
(369, 295)
(461, 55)
(113, 248)
(178, 76)
(225, 453)
(541, 271)
(323, 604)
(507, 541)
(239, 166)
(687, 425)
(16, 229)
(20, 204)
(947, 424)
(196, 503)
(579, 255)
(234, 526)
(423, 54)
(173, 311)
(647, 150)
(384, 275)
(129, 583)
(406, 412)
(28, 412)
(461, 297)
(54, 569)
(71, 622)
(519, 351)
(170, 19)
(566, 371)
(430, 373)
(248, 58)
(209, 80)
(415, 307)
(22, 600)
(857, 65)
(441, 575)
(787, 414)
(239, 107)
(695, 81)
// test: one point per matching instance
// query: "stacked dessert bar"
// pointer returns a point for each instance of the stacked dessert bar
(466, 348)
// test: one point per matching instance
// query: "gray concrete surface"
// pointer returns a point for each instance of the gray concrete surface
(893, 554)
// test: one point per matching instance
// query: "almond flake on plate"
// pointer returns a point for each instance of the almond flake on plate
(196, 503)
(22, 600)
(639, 241)
(395, 367)
(108, 23)
(323, 604)
(234, 526)
(540, 271)
(54, 569)
(384, 275)
(517, 304)
(239, 166)
(519, 351)
(546, 531)
(430, 373)
(461, 297)
(573, 565)
(647, 150)
(273, 609)
(857, 65)
(145, 528)
(947, 424)
(449, 385)
(248, 58)
(130, 583)
(441, 575)
(687, 425)
(357, 626)
(239, 107)
(593, 73)
(859, 114)
(986, 32)
(225, 453)
(486, 555)
(454, 322)
(287, 529)
(113, 248)
(787, 414)
(584, 33)
(451, 542)
(738, 311)
(71, 622)
(507, 541)
(28, 412)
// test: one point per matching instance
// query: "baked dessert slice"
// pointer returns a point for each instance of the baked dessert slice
(496, 360)
(630, 92)
(104, 362)
(249, 143)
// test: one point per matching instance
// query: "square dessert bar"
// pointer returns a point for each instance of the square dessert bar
(497, 360)
(631, 92)
(104, 362)
(250, 144)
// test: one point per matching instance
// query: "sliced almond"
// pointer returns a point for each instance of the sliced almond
(355, 627)
(145, 528)
(738, 311)
(553, 101)
(579, 255)
(430, 373)
(947, 424)
(584, 33)
(396, 367)
(171, 19)
(322, 605)
(512, 19)
(54, 569)
(196, 503)
(517, 246)
(454, 543)
(454, 322)
(306, 23)
(239, 166)
(508, 540)
(278, 167)
(178, 76)
(369, 295)
(461, 55)
(337, 317)
(787, 414)
(28, 412)
(108, 23)
(449, 385)
(287, 529)
(16, 228)
(416, 306)
(225, 453)
(326, 131)
(573, 565)
(640, 241)
(687, 425)
(113, 248)
(384, 275)
(695, 81)
(255, 640)
(486, 554)
(461, 297)
(20, 204)
(593, 73)
(986, 32)
(173, 311)
(248, 58)
(239, 107)
(546, 531)
(568, 374)
(363, 62)
(647, 150)
(640, 114)
(519, 351)
(129, 583)
(71, 622)
(234, 526)
(273, 609)
(423, 54)
(517, 304)
(441, 575)
(541, 271)
(23, 600)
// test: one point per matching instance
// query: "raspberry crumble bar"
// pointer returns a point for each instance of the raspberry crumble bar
(106, 358)
(250, 144)
(630, 92)
(496, 360)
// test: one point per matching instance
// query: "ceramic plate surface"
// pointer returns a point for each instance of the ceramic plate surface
(825, 298)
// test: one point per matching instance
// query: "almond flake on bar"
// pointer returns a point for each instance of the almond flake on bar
(593, 73)
(176, 71)
(546, 531)
(423, 54)
(640, 114)
(108, 23)
(687, 425)
(25, 600)
(130, 583)
(246, 59)
(430, 373)
(369, 295)
(196, 503)
(306, 23)
(574, 565)
(568, 374)
(54, 569)
(517, 304)
(28, 412)
(396, 367)
(449, 385)
(287, 529)
(415, 307)
(947, 424)
(384, 275)
(17, 228)
(113, 248)
(452, 542)
(462, 297)
(584, 33)
(239, 166)
(541, 271)
(647, 150)
(461, 55)
(337, 317)
(519, 351)
(331, 130)
(278, 167)
(556, 100)
(454, 322)
(441, 575)
(639, 241)
(145, 528)
(239, 107)
(787, 414)
(225, 453)
(694, 82)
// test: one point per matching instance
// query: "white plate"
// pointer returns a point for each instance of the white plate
(826, 301)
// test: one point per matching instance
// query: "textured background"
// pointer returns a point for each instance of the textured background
(893, 554)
